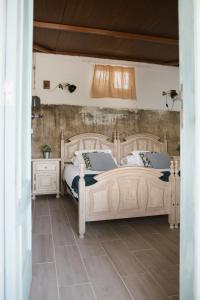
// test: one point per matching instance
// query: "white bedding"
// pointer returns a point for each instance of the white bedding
(160, 170)
(70, 172)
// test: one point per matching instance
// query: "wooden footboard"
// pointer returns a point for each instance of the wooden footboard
(125, 193)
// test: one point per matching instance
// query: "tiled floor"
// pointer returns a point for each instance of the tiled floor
(123, 259)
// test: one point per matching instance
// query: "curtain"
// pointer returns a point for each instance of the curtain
(114, 82)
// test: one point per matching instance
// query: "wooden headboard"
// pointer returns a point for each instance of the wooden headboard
(85, 141)
(142, 142)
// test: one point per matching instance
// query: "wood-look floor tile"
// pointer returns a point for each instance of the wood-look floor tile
(168, 278)
(142, 228)
(42, 225)
(106, 282)
(62, 232)
(54, 205)
(44, 286)
(42, 248)
(152, 258)
(57, 207)
(142, 250)
(90, 248)
(59, 215)
(77, 292)
(141, 220)
(144, 287)
(90, 245)
(166, 247)
(104, 231)
(171, 234)
(69, 266)
(132, 239)
(122, 258)
(72, 214)
(41, 207)
(70, 206)
(176, 297)
(164, 272)
(118, 222)
(33, 208)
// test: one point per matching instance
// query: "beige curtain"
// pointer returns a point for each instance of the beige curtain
(114, 82)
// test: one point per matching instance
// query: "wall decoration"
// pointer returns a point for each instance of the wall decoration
(73, 120)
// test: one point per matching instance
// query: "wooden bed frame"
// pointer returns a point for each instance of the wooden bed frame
(128, 191)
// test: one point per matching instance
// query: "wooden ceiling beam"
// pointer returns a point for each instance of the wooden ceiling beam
(42, 49)
(173, 63)
(104, 32)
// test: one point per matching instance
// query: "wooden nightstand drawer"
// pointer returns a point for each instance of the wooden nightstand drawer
(46, 182)
(40, 167)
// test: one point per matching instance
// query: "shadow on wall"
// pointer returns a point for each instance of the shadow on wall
(79, 119)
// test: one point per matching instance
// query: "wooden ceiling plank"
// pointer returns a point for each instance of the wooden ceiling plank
(39, 48)
(104, 32)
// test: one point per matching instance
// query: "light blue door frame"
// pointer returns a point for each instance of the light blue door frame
(2, 73)
(16, 153)
(16, 148)
(189, 29)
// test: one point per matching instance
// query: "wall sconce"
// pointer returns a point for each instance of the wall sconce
(174, 96)
(36, 105)
(71, 87)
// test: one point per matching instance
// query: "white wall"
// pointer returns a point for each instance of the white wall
(151, 80)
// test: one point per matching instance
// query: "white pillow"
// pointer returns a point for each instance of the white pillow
(139, 151)
(78, 158)
(134, 159)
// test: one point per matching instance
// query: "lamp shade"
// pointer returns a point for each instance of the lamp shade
(71, 88)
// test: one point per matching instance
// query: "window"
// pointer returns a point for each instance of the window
(114, 82)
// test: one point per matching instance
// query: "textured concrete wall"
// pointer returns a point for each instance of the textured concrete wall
(77, 119)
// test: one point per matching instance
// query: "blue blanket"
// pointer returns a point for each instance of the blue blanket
(89, 180)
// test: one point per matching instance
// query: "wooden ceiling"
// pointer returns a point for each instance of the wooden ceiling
(135, 30)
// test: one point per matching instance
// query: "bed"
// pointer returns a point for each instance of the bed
(152, 143)
(123, 192)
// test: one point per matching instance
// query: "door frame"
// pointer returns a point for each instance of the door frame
(15, 141)
(2, 153)
(197, 148)
(189, 29)
(189, 12)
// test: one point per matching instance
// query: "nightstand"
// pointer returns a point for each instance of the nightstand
(45, 177)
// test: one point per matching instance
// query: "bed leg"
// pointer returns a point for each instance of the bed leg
(81, 204)
(81, 227)
(171, 226)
